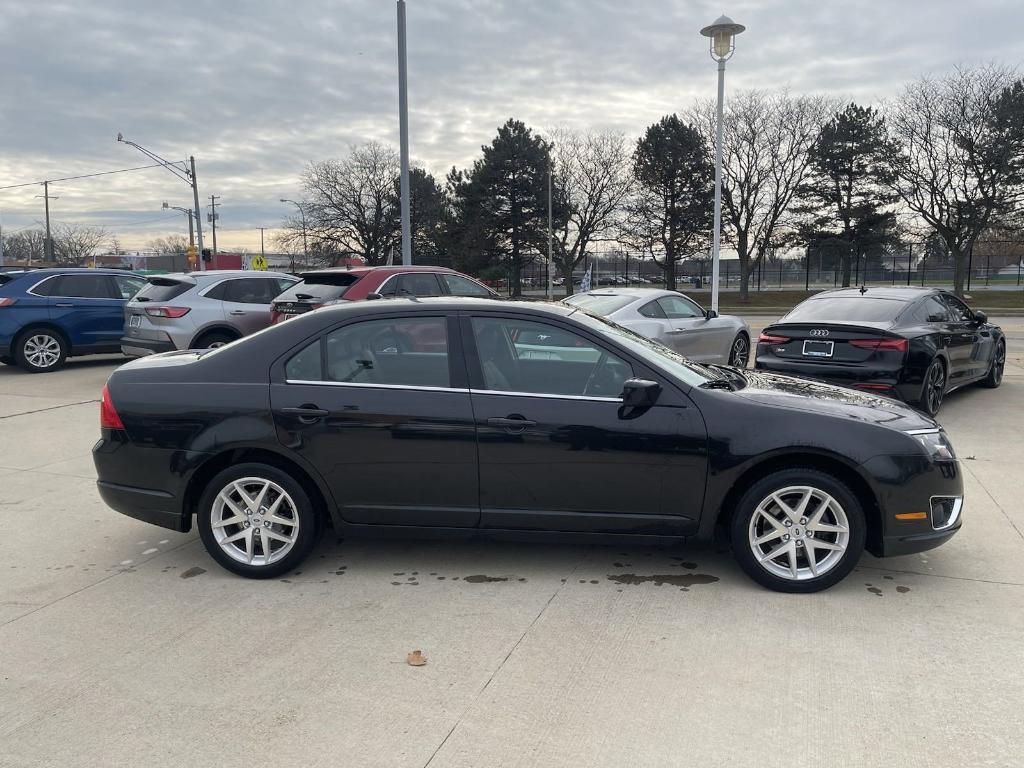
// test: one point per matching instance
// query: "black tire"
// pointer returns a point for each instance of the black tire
(740, 347)
(5, 360)
(213, 339)
(36, 347)
(836, 566)
(995, 371)
(933, 388)
(308, 521)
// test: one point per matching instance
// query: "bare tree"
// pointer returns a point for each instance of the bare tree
(24, 247)
(169, 244)
(765, 155)
(349, 204)
(76, 243)
(959, 153)
(592, 181)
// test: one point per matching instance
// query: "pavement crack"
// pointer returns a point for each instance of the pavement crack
(998, 505)
(51, 408)
(941, 576)
(498, 669)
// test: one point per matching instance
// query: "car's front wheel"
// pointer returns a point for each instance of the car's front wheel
(257, 521)
(995, 371)
(798, 530)
(40, 350)
(739, 352)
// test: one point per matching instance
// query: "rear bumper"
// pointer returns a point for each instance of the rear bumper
(886, 382)
(134, 347)
(145, 504)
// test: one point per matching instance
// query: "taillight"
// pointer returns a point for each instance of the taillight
(8, 302)
(893, 345)
(108, 414)
(767, 338)
(167, 311)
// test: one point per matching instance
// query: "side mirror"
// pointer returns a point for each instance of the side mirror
(373, 296)
(640, 393)
(980, 317)
(711, 314)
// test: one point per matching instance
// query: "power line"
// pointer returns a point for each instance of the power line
(83, 176)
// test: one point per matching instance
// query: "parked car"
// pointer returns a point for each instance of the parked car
(915, 344)
(199, 310)
(447, 417)
(328, 286)
(49, 315)
(673, 319)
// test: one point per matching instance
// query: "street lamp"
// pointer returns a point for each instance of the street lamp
(188, 216)
(305, 247)
(722, 34)
(186, 173)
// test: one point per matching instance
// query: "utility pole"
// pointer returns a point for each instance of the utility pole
(198, 213)
(551, 236)
(212, 217)
(262, 252)
(48, 246)
(403, 131)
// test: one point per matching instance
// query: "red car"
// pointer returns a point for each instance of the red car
(327, 286)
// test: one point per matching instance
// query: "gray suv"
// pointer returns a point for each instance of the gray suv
(199, 310)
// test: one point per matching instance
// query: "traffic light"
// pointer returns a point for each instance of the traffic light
(207, 254)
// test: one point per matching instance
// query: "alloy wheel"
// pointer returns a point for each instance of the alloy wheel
(42, 350)
(799, 533)
(740, 352)
(254, 521)
(935, 387)
(999, 363)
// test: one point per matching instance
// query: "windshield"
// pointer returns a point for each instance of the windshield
(848, 308)
(325, 287)
(657, 354)
(602, 304)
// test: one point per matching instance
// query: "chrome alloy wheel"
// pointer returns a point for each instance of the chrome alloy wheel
(999, 363)
(254, 521)
(41, 350)
(799, 533)
(935, 387)
(740, 352)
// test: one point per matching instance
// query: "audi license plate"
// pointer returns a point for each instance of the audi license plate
(818, 348)
(135, 321)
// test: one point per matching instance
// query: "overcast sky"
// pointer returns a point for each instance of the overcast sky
(256, 90)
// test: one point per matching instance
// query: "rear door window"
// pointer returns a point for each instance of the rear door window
(412, 284)
(397, 352)
(83, 287)
(251, 290)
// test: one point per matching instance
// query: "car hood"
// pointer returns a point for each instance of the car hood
(809, 396)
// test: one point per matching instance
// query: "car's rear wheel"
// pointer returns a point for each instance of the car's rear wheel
(798, 530)
(213, 340)
(739, 353)
(995, 372)
(40, 350)
(257, 521)
(933, 389)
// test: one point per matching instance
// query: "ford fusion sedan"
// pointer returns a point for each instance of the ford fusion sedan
(199, 310)
(674, 320)
(915, 344)
(447, 417)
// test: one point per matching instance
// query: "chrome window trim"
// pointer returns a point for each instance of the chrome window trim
(86, 298)
(547, 395)
(397, 275)
(413, 387)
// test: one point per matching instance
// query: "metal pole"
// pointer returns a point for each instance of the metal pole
(191, 233)
(198, 214)
(48, 246)
(262, 252)
(717, 235)
(807, 270)
(213, 220)
(305, 246)
(403, 130)
(910, 260)
(970, 265)
(551, 237)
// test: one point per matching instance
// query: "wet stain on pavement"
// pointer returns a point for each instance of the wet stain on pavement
(902, 590)
(193, 571)
(874, 590)
(675, 579)
(481, 579)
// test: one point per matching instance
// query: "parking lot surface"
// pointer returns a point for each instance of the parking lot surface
(125, 644)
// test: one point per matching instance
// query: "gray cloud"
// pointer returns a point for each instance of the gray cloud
(256, 90)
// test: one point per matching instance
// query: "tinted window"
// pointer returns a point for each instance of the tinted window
(305, 365)
(653, 309)
(162, 290)
(128, 286)
(600, 303)
(859, 308)
(678, 308)
(418, 284)
(525, 356)
(932, 310)
(959, 311)
(406, 351)
(326, 287)
(46, 287)
(463, 286)
(83, 287)
(251, 290)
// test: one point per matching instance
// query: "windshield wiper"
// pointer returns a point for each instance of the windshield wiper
(718, 384)
(730, 373)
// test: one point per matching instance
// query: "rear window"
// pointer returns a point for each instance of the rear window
(835, 309)
(600, 304)
(325, 287)
(162, 290)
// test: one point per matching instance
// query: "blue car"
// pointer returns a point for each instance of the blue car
(49, 315)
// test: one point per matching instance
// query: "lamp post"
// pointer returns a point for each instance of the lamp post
(403, 135)
(185, 172)
(305, 247)
(188, 216)
(722, 34)
(48, 243)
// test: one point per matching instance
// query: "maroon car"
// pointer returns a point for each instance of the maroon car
(327, 286)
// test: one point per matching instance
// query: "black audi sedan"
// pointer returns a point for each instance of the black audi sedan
(915, 344)
(464, 417)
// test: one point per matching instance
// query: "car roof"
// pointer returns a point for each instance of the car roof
(899, 293)
(447, 303)
(212, 274)
(640, 293)
(45, 271)
(386, 270)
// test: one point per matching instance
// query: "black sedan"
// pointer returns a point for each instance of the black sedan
(915, 344)
(448, 417)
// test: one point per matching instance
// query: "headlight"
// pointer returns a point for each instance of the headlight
(936, 444)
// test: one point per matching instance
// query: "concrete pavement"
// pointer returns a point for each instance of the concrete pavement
(124, 644)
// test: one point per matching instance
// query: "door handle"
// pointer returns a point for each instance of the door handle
(237, 312)
(513, 424)
(64, 306)
(307, 414)
(676, 330)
